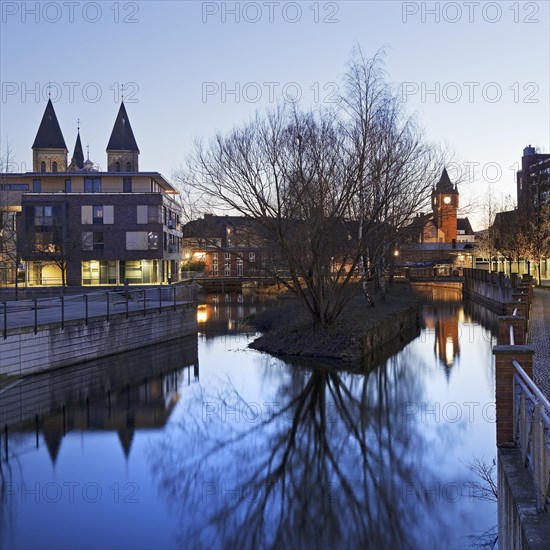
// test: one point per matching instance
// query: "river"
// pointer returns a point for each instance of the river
(204, 443)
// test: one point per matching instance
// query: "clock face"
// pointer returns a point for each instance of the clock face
(447, 200)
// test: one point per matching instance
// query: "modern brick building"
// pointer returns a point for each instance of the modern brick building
(90, 227)
(533, 180)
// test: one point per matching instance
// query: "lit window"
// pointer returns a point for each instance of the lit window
(97, 214)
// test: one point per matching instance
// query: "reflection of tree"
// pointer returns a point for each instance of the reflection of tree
(332, 467)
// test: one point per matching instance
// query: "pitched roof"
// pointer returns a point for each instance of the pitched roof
(78, 155)
(444, 184)
(463, 224)
(49, 135)
(122, 137)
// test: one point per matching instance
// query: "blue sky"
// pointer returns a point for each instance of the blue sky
(475, 73)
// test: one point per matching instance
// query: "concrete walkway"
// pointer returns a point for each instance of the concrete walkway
(23, 313)
(539, 338)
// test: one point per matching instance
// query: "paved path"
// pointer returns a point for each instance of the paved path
(22, 313)
(539, 338)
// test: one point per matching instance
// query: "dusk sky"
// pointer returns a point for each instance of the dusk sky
(476, 74)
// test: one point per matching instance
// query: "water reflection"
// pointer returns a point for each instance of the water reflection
(121, 393)
(327, 462)
(228, 313)
(260, 452)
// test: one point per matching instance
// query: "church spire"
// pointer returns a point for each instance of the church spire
(78, 155)
(444, 185)
(49, 135)
(49, 152)
(122, 137)
(122, 149)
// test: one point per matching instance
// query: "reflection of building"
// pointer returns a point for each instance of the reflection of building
(146, 406)
(224, 314)
(122, 393)
(447, 341)
(104, 226)
(443, 316)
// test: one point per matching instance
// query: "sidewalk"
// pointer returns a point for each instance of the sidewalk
(29, 313)
(539, 337)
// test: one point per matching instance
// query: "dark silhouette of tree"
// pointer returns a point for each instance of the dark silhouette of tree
(321, 183)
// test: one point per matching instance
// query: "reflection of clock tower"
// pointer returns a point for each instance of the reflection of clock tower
(445, 207)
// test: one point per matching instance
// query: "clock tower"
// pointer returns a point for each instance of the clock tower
(445, 208)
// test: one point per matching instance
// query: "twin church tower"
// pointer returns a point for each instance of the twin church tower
(49, 151)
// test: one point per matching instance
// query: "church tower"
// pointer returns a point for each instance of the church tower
(122, 149)
(77, 162)
(445, 208)
(49, 152)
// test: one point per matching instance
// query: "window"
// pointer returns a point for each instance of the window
(128, 167)
(147, 214)
(14, 186)
(98, 240)
(92, 185)
(43, 215)
(68, 186)
(215, 257)
(97, 214)
(142, 240)
(227, 270)
(54, 166)
(49, 241)
(87, 241)
(252, 256)
(152, 240)
(36, 186)
(42, 166)
(165, 241)
(152, 214)
(127, 185)
(100, 214)
(239, 266)
(117, 166)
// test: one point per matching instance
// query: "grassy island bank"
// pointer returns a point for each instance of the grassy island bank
(358, 331)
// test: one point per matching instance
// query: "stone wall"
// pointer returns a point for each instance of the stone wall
(389, 328)
(491, 289)
(24, 352)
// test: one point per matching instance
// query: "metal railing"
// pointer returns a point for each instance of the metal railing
(40, 311)
(532, 433)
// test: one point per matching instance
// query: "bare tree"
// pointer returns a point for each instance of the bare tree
(329, 188)
(535, 235)
(8, 219)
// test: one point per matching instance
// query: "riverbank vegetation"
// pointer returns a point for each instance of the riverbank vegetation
(288, 330)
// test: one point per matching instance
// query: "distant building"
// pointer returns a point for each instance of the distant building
(440, 237)
(533, 180)
(225, 246)
(102, 227)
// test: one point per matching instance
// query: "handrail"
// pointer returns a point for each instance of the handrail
(531, 426)
(531, 385)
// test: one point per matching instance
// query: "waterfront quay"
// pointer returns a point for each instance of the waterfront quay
(42, 334)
